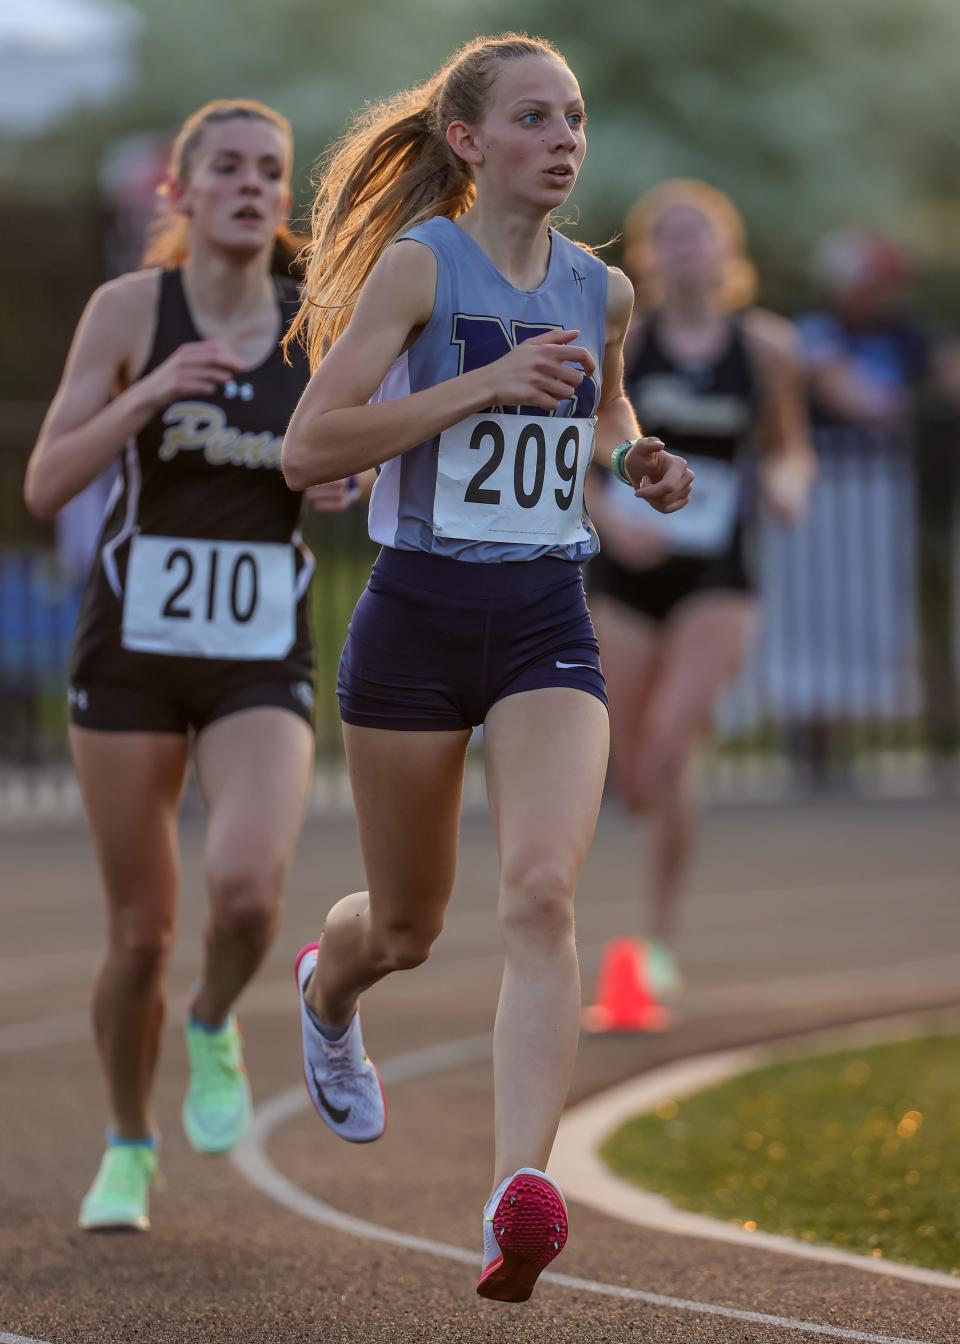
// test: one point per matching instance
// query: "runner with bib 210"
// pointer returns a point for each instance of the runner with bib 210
(194, 622)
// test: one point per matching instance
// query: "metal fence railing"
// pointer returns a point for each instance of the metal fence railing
(853, 680)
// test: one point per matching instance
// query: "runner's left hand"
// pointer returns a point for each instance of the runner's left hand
(661, 478)
(333, 496)
(786, 490)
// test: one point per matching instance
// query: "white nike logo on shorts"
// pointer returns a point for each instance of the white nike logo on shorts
(590, 666)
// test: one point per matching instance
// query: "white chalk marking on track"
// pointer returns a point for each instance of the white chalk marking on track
(19, 1339)
(251, 1160)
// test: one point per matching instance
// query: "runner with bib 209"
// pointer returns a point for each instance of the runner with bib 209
(194, 621)
(674, 599)
(472, 353)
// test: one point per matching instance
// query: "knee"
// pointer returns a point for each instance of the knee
(245, 900)
(536, 901)
(401, 945)
(140, 953)
(661, 768)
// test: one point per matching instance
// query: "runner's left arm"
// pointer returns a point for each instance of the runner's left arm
(788, 463)
(660, 477)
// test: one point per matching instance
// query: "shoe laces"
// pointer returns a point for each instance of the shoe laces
(127, 1169)
(216, 1064)
(340, 1059)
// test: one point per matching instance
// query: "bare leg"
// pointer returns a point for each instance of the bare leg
(131, 784)
(673, 824)
(630, 645)
(546, 757)
(703, 649)
(406, 788)
(254, 769)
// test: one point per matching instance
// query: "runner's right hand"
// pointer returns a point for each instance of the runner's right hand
(333, 496)
(195, 369)
(540, 371)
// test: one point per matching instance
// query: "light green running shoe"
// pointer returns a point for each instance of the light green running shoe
(217, 1108)
(118, 1197)
(662, 970)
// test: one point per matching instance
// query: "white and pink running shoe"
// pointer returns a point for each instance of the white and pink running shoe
(343, 1084)
(524, 1228)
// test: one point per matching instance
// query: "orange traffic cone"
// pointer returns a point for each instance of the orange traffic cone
(625, 1001)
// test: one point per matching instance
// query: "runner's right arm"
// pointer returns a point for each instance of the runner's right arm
(98, 406)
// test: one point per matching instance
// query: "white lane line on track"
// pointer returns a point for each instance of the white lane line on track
(250, 1159)
(19, 1339)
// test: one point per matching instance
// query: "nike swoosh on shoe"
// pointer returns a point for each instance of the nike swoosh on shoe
(338, 1116)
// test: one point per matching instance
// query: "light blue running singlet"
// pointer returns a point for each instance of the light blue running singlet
(506, 483)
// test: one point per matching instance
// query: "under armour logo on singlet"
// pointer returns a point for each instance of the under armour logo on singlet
(232, 389)
(578, 278)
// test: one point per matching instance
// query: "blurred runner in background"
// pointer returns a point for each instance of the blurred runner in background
(674, 598)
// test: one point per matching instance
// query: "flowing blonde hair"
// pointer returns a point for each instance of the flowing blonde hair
(168, 241)
(739, 283)
(391, 170)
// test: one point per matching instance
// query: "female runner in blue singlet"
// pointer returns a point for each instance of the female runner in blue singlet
(674, 600)
(194, 619)
(473, 354)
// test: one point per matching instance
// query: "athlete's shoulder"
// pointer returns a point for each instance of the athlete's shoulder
(404, 279)
(619, 291)
(769, 335)
(127, 299)
(619, 302)
(410, 254)
(120, 309)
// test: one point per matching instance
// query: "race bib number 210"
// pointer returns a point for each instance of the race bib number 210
(513, 478)
(209, 599)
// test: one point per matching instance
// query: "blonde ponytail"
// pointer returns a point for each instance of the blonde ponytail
(391, 170)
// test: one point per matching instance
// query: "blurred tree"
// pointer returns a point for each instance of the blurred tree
(807, 114)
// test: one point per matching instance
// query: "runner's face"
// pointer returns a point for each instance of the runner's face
(532, 135)
(688, 252)
(238, 193)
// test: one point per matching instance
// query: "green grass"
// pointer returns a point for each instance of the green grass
(859, 1150)
(338, 583)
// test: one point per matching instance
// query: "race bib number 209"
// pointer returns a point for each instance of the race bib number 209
(513, 478)
(209, 599)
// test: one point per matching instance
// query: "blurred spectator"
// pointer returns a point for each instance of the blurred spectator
(131, 173)
(849, 652)
(865, 353)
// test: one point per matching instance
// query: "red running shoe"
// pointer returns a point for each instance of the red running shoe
(524, 1228)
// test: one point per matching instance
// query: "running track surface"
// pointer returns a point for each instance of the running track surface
(799, 918)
